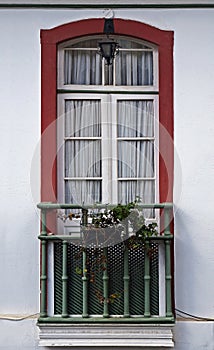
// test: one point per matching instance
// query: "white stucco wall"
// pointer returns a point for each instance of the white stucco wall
(194, 180)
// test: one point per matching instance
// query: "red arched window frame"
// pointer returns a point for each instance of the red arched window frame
(50, 40)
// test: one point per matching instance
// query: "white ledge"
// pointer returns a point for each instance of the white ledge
(129, 335)
(108, 2)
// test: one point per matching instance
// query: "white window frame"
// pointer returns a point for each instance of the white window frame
(109, 149)
(115, 88)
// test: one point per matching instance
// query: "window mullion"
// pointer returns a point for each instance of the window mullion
(114, 155)
(106, 149)
(103, 72)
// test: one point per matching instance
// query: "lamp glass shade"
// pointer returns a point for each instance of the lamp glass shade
(108, 50)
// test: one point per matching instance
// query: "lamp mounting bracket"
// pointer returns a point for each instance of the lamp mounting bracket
(108, 26)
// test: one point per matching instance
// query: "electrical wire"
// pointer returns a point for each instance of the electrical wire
(199, 318)
(10, 318)
(179, 312)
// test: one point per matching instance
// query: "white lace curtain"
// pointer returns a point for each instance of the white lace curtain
(136, 150)
(83, 155)
(134, 68)
(84, 67)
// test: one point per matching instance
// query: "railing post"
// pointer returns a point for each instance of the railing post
(168, 275)
(85, 285)
(64, 279)
(43, 276)
(105, 284)
(126, 279)
(85, 272)
(147, 281)
(84, 217)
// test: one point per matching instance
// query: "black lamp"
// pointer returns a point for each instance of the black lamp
(108, 48)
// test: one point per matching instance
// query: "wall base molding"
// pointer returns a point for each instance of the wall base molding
(129, 335)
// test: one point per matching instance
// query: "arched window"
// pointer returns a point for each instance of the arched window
(107, 123)
(125, 148)
(80, 64)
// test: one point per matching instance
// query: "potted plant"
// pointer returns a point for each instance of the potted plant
(124, 222)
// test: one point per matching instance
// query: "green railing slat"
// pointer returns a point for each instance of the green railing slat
(84, 217)
(43, 277)
(84, 267)
(147, 279)
(43, 219)
(126, 280)
(70, 238)
(64, 279)
(50, 206)
(168, 279)
(105, 284)
(85, 285)
(168, 276)
(94, 320)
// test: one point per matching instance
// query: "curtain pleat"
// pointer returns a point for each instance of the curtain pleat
(134, 68)
(135, 118)
(135, 157)
(83, 192)
(83, 157)
(82, 68)
(82, 118)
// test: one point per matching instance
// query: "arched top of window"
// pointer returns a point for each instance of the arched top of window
(92, 42)
(80, 64)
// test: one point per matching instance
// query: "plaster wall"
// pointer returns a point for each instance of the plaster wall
(20, 166)
(24, 336)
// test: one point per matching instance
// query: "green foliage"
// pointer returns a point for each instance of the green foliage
(79, 271)
(123, 216)
(121, 212)
(112, 217)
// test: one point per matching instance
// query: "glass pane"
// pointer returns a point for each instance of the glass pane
(86, 43)
(82, 67)
(134, 68)
(83, 158)
(83, 192)
(108, 74)
(135, 119)
(135, 159)
(124, 43)
(128, 191)
(82, 118)
(127, 44)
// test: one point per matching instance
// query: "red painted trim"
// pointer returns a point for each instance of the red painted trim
(50, 39)
(166, 135)
(48, 127)
(72, 30)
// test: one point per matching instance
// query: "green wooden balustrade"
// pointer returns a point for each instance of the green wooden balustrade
(146, 275)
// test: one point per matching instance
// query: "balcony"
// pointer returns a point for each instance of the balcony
(105, 292)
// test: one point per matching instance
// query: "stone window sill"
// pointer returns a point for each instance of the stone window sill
(129, 335)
